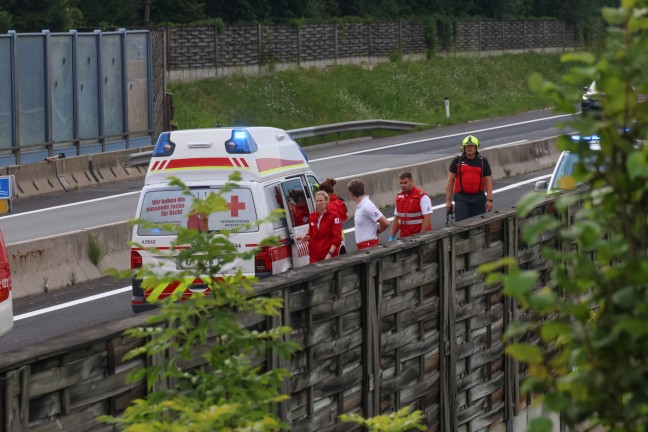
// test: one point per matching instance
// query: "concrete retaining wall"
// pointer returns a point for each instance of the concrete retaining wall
(62, 259)
(73, 173)
(432, 176)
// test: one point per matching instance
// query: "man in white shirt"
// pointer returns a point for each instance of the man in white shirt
(366, 216)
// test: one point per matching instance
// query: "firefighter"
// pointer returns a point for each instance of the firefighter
(471, 180)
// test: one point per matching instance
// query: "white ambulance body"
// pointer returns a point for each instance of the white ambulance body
(275, 175)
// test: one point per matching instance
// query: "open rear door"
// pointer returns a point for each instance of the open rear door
(298, 203)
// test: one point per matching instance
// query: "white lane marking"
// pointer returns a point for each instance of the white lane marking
(70, 304)
(70, 205)
(438, 138)
(128, 288)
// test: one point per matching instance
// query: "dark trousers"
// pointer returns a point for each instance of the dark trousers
(469, 205)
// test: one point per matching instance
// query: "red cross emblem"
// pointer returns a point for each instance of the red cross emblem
(235, 206)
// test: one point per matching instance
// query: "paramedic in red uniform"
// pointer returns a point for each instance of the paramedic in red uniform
(471, 180)
(335, 204)
(301, 209)
(413, 212)
(324, 230)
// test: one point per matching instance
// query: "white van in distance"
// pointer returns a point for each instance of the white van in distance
(274, 175)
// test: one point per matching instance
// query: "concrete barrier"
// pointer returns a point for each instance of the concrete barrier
(58, 261)
(63, 259)
(73, 172)
(36, 179)
(432, 176)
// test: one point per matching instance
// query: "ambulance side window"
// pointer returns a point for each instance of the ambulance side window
(313, 183)
(273, 197)
(295, 195)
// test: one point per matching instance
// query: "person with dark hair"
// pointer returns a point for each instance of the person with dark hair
(300, 217)
(336, 204)
(366, 216)
(413, 213)
(324, 230)
(471, 180)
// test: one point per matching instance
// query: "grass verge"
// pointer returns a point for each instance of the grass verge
(477, 88)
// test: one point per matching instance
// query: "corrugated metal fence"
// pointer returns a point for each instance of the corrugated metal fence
(75, 93)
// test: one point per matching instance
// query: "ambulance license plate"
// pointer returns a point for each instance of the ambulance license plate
(192, 263)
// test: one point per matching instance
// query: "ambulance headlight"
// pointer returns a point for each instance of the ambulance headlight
(240, 142)
(164, 145)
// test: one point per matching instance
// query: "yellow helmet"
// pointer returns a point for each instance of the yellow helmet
(470, 140)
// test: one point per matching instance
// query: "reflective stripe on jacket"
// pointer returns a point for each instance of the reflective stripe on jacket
(408, 207)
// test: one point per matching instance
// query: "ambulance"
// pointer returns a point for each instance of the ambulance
(6, 305)
(274, 175)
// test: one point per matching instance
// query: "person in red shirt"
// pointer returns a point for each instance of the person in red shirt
(336, 204)
(301, 209)
(324, 230)
(413, 209)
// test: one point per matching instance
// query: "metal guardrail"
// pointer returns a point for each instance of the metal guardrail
(143, 158)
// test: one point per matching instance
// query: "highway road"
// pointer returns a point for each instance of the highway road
(42, 317)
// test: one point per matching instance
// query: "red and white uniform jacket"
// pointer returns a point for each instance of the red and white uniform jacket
(324, 232)
(410, 211)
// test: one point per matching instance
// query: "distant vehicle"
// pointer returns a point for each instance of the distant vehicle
(274, 175)
(591, 100)
(6, 300)
(566, 165)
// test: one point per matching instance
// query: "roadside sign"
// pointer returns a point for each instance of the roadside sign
(7, 191)
(6, 187)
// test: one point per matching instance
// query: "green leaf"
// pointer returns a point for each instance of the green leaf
(556, 401)
(637, 165)
(518, 284)
(543, 224)
(583, 57)
(551, 330)
(614, 16)
(525, 353)
(528, 202)
(635, 327)
(540, 424)
(543, 299)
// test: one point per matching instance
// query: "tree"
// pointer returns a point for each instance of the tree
(591, 364)
(228, 392)
(38, 15)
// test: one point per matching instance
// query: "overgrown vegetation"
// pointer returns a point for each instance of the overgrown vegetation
(95, 249)
(591, 364)
(61, 15)
(227, 392)
(407, 91)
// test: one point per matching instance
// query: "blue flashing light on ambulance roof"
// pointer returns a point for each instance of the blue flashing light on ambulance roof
(164, 145)
(240, 143)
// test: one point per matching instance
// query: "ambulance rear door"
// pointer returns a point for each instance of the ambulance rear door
(299, 204)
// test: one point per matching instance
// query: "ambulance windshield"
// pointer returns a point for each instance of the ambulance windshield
(170, 206)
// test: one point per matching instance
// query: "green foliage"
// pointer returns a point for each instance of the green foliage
(591, 359)
(409, 91)
(229, 392)
(401, 421)
(5, 21)
(95, 250)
